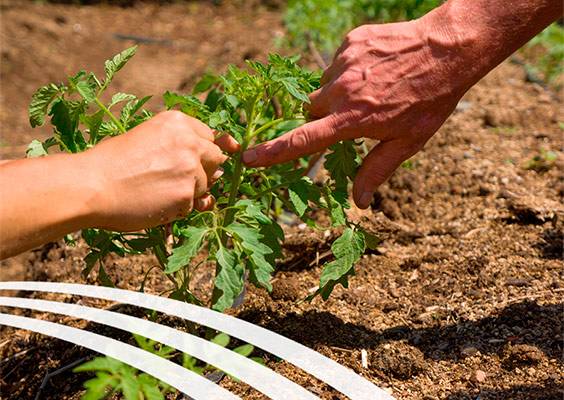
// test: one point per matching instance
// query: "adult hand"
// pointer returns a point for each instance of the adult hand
(399, 82)
(157, 172)
(386, 82)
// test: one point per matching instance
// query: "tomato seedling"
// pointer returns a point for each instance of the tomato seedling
(242, 235)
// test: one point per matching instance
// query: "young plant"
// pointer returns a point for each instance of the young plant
(113, 376)
(242, 235)
(541, 162)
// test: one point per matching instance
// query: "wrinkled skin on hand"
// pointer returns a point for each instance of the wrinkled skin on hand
(157, 172)
(386, 82)
(398, 83)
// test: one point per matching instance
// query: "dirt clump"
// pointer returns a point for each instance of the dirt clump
(402, 360)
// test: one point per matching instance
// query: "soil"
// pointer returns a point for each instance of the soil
(463, 298)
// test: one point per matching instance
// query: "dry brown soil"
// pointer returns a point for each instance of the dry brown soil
(463, 299)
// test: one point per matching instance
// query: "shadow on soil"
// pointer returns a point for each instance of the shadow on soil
(550, 390)
(520, 323)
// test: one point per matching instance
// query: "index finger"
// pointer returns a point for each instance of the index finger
(307, 139)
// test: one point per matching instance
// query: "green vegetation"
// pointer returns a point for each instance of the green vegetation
(541, 162)
(546, 54)
(326, 22)
(113, 376)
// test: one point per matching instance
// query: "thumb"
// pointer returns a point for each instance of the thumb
(377, 167)
(307, 139)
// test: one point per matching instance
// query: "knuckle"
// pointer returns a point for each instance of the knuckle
(345, 82)
(300, 140)
(190, 164)
(173, 116)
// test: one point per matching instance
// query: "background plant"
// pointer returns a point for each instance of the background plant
(113, 376)
(326, 22)
(548, 62)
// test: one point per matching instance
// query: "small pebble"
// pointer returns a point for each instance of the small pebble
(480, 376)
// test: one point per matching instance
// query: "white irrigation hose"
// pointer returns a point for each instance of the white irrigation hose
(323, 368)
(261, 378)
(175, 375)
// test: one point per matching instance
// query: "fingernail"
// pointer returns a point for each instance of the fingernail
(365, 199)
(217, 174)
(249, 156)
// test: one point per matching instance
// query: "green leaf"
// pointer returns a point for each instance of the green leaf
(299, 195)
(96, 388)
(348, 249)
(172, 99)
(35, 149)
(142, 244)
(183, 254)
(244, 350)
(248, 238)
(115, 64)
(251, 241)
(40, 103)
(38, 149)
(145, 343)
(131, 108)
(119, 97)
(206, 83)
(86, 89)
(93, 123)
(370, 239)
(229, 279)
(151, 391)
(221, 339)
(292, 86)
(65, 120)
(103, 277)
(256, 211)
(218, 118)
(129, 386)
(342, 163)
(336, 212)
(108, 364)
(90, 261)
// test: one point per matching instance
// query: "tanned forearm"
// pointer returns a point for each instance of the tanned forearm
(43, 199)
(151, 175)
(486, 32)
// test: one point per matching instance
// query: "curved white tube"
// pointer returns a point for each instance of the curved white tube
(181, 378)
(323, 368)
(261, 378)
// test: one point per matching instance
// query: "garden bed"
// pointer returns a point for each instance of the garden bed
(462, 299)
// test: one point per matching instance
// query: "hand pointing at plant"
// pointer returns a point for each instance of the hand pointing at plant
(398, 83)
(155, 173)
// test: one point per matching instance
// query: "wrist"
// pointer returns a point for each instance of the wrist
(90, 191)
(478, 35)
(457, 44)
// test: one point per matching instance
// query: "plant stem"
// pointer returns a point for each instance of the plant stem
(272, 123)
(109, 114)
(235, 183)
(238, 170)
(161, 258)
(273, 188)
